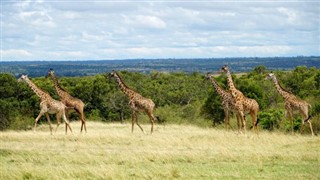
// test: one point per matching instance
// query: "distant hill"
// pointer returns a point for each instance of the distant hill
(92, 67)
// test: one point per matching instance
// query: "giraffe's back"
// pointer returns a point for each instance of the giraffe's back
(250, 105)
(73, 102)
(298, 104)
(143, 103)
(52, 106)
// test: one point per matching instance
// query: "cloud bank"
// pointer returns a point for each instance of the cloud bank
(96, 30)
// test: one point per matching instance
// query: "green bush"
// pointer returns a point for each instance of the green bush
(212, 109)
(22, 123)
(270, 119)
(179, 97)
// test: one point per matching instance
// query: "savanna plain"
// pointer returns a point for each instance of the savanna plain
(111, 151)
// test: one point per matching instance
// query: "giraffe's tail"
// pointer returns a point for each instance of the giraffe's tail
(86, 104)
(309, 105)
(308, 118)
(256, 123)
(160, 120)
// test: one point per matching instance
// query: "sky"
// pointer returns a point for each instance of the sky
(111, 30)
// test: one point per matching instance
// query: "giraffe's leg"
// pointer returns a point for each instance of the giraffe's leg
(67, 113)
(302, 127)
(254, 120)
(225, 124)
(306, 118)
(152, 120)
(66, 122)
(243, 118)
(312, 133)
(48, 118)
(238, 122)
(139, 124)
(66, 118)
(133, 118)
(83, 121)
(80, 113)
(229, 121)
(291, 123)
(66, 127)
(58, 116)
(226, 118)
(290, 116)
(37, 119)
(310, 125)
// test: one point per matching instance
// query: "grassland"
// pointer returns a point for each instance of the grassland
(111, 151)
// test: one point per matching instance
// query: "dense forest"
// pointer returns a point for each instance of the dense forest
(179, 97)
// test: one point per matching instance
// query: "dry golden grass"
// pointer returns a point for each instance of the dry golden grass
(111, 151)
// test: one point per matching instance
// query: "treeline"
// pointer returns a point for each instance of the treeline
(179, 97)
(91, 68)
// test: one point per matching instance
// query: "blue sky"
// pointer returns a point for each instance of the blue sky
(97, 30)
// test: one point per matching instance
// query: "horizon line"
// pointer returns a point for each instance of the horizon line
(173, 58)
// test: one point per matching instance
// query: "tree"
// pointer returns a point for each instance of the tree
(212, 108)
(260, 69)
(12, 102)
(271, 119)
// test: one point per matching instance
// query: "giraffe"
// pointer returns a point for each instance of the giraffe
(68, 100)
(227, 100)
(243, 104)
(137, 102)
(293, 103)
(47, 105)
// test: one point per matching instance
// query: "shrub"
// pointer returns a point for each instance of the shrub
(270, 119)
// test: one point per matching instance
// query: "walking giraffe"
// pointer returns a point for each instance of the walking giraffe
(242, 104)
(47, 105)
(293, 103)
(227, 101)
(137, 102)
(68, 100)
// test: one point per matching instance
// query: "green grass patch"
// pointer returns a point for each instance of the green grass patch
(111, 151)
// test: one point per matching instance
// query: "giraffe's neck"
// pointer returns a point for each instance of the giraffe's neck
(217, 87)
(41, 94)
(57, 86)
(230, 81)
(124, 88)
(281, 91)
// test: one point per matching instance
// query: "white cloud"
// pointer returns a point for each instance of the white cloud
(123, 30)
(291, 15)
(142, 21)
(15, 53)
(90, 37)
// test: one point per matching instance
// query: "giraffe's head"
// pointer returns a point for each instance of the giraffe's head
(50, 73)
(113, 74)
(208, 75)
(23, 77)
(224, 68)
(271, 76)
